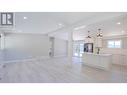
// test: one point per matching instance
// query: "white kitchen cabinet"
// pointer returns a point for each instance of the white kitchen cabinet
(119, 59)
(116, 59)
(102, 61)
(124, 59)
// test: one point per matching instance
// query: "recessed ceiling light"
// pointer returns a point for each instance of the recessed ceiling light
(76, 28)
(122, 31)
(118, 23)
(60, 24)
(24, 17)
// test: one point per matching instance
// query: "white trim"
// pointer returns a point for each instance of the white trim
(26, 59)
(59, 56)
(112, 37)
(30, 59)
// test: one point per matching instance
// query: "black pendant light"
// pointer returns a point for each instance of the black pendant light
(88, 35)
(99, 34)
(88, 38)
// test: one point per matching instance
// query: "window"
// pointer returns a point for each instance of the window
(114, 44)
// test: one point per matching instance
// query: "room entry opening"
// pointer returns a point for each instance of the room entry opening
(78, 49)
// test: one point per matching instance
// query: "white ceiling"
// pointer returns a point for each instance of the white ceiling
(59, 23)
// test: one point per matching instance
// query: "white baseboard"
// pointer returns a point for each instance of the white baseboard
(25, 59)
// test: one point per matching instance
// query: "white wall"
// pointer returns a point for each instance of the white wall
(33, 44)
(60, 47)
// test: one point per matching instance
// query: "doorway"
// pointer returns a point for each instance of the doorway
(78, 48)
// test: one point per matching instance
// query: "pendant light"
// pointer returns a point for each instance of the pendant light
(88, 38)
(88, 35)
(99, 41)
(99, 34)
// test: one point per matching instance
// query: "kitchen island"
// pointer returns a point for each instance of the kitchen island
(101, 61)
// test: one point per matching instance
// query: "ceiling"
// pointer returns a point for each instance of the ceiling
(45, 22)
(116, 26)
(59, 23)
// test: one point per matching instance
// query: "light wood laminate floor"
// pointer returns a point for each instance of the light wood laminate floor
(58, 70)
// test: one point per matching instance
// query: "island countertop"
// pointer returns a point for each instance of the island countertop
(98, 54)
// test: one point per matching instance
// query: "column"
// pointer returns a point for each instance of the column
(70, 46)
